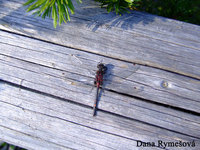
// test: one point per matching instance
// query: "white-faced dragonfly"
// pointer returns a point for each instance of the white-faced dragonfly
(114, 71)
(99, 82)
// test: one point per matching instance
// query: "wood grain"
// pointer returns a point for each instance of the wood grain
(148, 40)
(143, 82)
(64, 84)
(65, 125)
(151, 90)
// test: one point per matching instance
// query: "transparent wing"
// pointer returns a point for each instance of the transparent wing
(82, 64)
(116, 72)
(83, 80)
(126, 70)
(120, 72)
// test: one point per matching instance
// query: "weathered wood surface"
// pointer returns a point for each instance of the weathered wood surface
(151, 40)
(144, 82)
(65, 85)
(47, 74)
(19, 65)
(70, 125)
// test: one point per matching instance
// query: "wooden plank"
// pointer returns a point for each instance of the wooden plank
(144, 82)
(179, 52)
(65, 85)
(24, 140)
(46, 119)
(158, 27)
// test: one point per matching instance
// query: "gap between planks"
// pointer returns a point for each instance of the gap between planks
(151, 120)
(182, 91)
(177, 65)
(54, 109)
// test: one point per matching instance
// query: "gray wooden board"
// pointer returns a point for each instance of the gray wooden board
(37, 119)
(148, 39)
(65, 85)
(48, 68)
(24, 140)
(144, 82)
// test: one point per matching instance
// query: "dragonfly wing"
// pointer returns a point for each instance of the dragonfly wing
(83, 78)
(119, 73)
(80, 64)
(126, 70)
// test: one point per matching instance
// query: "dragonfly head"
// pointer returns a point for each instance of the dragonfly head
(102, 67)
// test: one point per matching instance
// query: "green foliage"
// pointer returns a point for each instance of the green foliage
(6, 146)
(2, 146)
(58, 9)
(184, 10)
(119, 6)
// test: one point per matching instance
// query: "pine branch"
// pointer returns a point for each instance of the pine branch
(60, 10)
(57, 9)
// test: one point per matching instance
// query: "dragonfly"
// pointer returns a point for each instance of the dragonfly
(99, 82)
(87, 67)
(109, 72)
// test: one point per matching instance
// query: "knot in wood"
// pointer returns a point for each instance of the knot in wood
(164, 84)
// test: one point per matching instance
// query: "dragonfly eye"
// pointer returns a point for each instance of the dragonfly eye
(100, 66)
